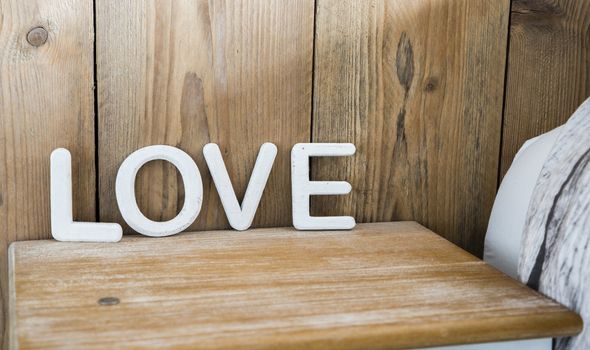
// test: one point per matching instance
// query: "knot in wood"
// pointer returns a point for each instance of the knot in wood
(37, 36)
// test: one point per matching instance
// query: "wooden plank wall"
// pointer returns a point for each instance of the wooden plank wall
(418, 86)
(548, 68)
(186, 73)
(46, 102)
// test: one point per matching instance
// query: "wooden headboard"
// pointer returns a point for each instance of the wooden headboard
(437, 96)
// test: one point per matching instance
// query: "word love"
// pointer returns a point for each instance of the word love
(240, 216)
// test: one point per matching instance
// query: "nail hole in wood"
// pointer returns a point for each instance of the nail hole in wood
(431, 84)
(37, 36)
(108, 301)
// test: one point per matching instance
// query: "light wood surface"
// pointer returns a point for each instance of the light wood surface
(417, 86)
(185, 73)
(46, 101)
(548, 70)
(379, 286)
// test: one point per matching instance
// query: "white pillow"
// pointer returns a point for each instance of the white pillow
(502, 242)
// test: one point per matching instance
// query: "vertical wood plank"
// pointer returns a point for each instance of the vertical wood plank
(548, 69)
(417, 86)
(46, 101)
(185, 73)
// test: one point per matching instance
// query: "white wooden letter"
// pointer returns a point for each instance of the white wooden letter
(63, 226)
(125, 190)
(302, 188)
(240, 218)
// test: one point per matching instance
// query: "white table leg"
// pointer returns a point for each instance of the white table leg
(532, 344)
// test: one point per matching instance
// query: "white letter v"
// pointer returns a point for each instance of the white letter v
(240, 218)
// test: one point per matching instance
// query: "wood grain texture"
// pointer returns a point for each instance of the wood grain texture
(45, 85)
(548, 69)
(379, 286)
(417, 87)
(185, 73)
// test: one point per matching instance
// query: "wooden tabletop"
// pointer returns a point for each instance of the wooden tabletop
(387, 285)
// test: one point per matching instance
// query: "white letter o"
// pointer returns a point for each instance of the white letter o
(125, 190)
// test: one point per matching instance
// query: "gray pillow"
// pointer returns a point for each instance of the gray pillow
(555, 248)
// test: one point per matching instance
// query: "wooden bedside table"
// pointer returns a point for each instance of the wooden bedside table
(379, 286)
